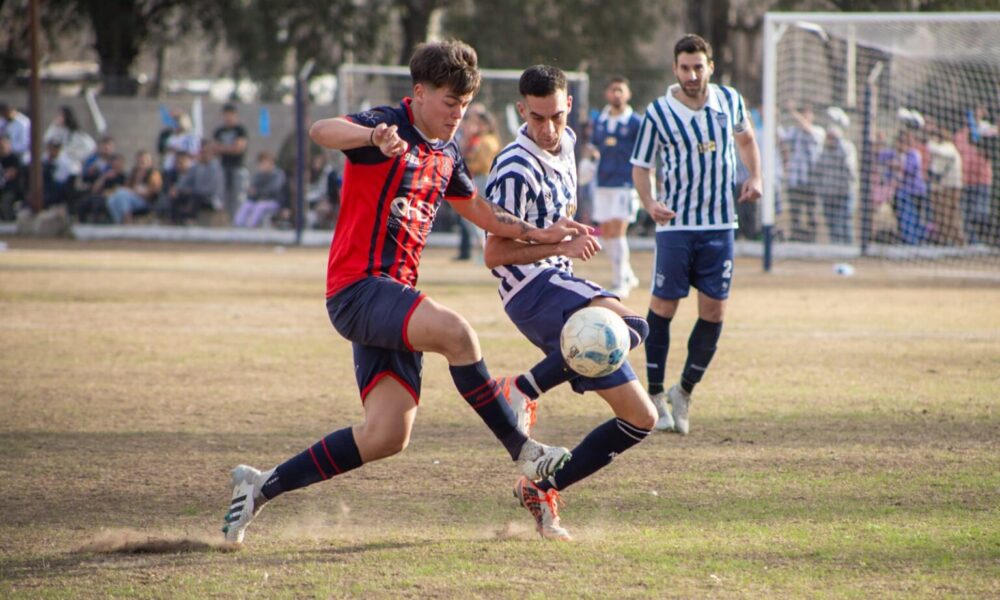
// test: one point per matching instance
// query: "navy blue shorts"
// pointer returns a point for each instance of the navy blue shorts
(540, 309)
(699, 259)
(373, 314)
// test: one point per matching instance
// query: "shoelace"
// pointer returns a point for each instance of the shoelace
(553, 500)
(532, 407)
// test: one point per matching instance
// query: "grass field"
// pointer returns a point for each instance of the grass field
(845, 442)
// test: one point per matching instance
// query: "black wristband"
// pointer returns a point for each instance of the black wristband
(371, 137)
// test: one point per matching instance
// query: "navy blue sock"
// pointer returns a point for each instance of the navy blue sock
(595, 452)
(544, 376)
(701, 348)
(333, 455)
(483, 395)
(657, 347)
(638, 330)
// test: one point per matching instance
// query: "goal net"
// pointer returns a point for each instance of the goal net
(880, 140)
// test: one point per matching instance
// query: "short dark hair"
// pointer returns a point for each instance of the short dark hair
(229, 107)
(541, 81)
(617, 79)
(692, 44)
(451, 64)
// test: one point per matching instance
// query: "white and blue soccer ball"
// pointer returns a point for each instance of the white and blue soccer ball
(594, 341)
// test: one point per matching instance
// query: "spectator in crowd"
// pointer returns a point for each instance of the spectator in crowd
(835, 177)
(97, 163)
(587, 158)
(77, 145)
(57, 176)
(140, 191)
(200, 188)
(945, 186)
(183, 139)
(16, 126)
(906, 172)
(323, 192)
(480, 144)
(266, 194)
(11, 180)
(95, 205)
(164, 204)
(977, 178)
(230, 140)
(803, 141)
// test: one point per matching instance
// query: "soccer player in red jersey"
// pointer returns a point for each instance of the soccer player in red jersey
(402, 161)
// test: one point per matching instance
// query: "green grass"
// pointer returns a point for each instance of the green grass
(845, 442)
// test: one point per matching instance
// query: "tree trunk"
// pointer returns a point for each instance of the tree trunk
(415, 20)
(118, 31)
(710, 20)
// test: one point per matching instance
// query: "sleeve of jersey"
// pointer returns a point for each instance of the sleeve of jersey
(461, 187)
(508, 189)
(369, 118)
(644, 151)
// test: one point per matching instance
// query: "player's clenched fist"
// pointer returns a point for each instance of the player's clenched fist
(659, 212)
(385, 138)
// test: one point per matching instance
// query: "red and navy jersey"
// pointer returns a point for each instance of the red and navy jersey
(388, 203)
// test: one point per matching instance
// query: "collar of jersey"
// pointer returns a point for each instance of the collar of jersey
(622, 118)
(553, 161)
(682, 109)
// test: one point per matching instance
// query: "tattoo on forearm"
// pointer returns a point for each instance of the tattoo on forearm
(505, 218)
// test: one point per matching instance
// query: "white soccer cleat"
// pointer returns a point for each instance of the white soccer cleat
(543, 506)
(246, 503)
(524, 407)
(680, 401)
(538, 461)
(664, 421)
(629, 283)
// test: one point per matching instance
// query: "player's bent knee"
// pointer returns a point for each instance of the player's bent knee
(458, 339)
(645, 417)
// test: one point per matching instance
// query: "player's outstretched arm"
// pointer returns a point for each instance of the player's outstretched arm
(340, 134)
(494, 219)
(504, 251)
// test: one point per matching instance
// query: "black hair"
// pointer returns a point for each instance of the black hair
(541, 81)
(692, 44)
(451, 64)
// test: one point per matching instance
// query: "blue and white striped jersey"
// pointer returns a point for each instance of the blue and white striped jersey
(698, 154)
(538, 187)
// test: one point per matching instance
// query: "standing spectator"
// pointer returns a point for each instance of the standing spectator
(266, 194)
(906, 170)
(803, 141)
(140, 191)
(835, 175)
(57, 176)
(946, 186)
(200, 188)
(977, 180)
(231, 146)
(480, 145)
(77, 145)
(616, 203)
(183, 139)
(11, 180)
(16, 126)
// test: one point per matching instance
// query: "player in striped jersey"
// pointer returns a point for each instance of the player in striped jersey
(401, 163)
(697, 127)
(534, 178)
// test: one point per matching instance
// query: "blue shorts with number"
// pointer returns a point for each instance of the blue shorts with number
(540, 309)
(699, 259)
(373, 314)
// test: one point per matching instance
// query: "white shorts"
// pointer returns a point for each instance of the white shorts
(611, 204)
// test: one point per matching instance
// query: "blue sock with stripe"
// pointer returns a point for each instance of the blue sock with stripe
(595, 452)
(483, 395)
(702, 344)
(333, 455)
(657, 347)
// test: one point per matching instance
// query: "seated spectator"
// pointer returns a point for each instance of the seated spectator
(182, 140)
(322, 193)
(200, 188)
(57, 176)
(164, 204)
(945, 174)
(77, 145)
(139, 193)
(95, 205)
(266, 194)
(16, 126)
(11, 180)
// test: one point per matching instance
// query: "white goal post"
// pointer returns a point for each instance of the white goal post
(879, 139)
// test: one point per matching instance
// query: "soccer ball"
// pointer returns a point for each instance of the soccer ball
(594, 341)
